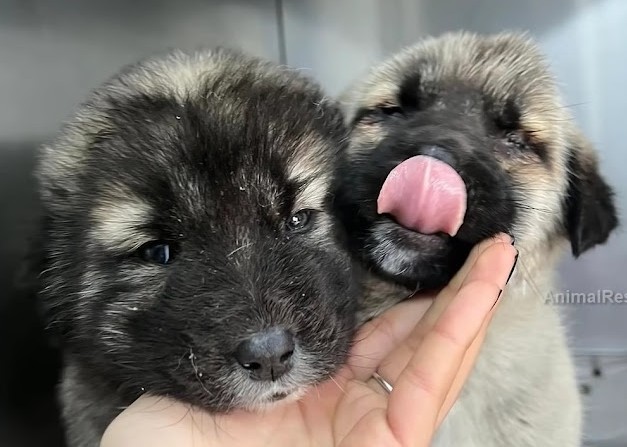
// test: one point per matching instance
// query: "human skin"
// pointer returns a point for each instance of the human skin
(425, 347)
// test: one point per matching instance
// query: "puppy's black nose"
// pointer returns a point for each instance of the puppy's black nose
(266, 355)
(440, 153)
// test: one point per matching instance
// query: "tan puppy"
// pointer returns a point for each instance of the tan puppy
(454, 140)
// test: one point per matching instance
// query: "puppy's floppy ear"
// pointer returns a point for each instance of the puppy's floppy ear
(590, 214)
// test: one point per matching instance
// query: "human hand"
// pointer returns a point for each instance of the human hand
(426, 348)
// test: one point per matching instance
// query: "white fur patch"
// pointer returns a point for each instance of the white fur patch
(117, 223)
(305, 158)
(392, 258)
(313, 194)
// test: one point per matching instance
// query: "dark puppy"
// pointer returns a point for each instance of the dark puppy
(187, 243)
(452, 141)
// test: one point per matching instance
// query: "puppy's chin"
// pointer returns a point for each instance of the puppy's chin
(415, 260)
(274, 398)
(260, 396)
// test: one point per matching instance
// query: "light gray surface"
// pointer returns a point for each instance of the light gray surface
(53, 51)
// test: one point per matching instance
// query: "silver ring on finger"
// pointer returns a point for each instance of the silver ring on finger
(387, 387)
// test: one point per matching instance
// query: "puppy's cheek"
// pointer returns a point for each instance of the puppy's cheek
(117, 301)
(539, 205)
(94, 318)
(116, 326)
(397, 253)
(391, 258)
(323, 238)
(491, 203)
(93, 286)
(323, 342)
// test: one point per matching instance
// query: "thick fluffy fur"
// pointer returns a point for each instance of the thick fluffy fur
(488, 106)
(211, 153)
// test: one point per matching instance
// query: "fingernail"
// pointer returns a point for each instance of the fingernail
(508, 278)
(513, 268)
(497, 299)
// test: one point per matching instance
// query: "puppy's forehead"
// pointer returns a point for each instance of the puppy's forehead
(500, 65)
(189, 119)
(203, 151)
(506, 67)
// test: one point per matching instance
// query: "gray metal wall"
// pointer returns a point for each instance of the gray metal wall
(53, 51)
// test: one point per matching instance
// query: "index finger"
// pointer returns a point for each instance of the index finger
(423, 386)
(491, 270)
(487, 260)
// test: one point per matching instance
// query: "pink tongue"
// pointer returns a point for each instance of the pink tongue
(424, 194)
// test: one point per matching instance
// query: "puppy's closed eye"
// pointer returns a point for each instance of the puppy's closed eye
(379, 113)
(513, 139)
(513, 143)
(391, 110)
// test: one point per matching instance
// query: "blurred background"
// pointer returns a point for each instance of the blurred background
(52, 52)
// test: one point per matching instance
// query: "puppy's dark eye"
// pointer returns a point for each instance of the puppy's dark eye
(158, 252)
(299, 221)
(391, 110)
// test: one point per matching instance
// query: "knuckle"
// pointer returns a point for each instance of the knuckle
(421, 379)
(385, 326)
(480, 287)
(449, 335)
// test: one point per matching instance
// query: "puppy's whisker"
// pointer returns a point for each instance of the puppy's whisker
(528, 278)
(359, 339)
(354, 366)
(562, 107)
(363, 356)
(182, 418)
(523, 206)
(185, 354)
(556, 121)
(243, 247)
(218, 429)
(342, 376)
(337, 384)
(197, 372)
(523, 187)
(194, 425)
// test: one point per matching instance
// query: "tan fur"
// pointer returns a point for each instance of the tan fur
(117, 223)
(522, 392)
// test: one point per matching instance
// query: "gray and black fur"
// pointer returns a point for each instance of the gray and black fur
(489, 107)
(186, 230)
